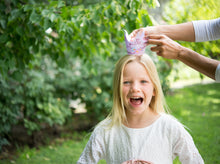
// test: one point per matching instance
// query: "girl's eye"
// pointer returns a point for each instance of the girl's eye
(143, 81)
(126, 82)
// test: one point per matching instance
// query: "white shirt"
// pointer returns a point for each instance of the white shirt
(159, 143)
(207, 30)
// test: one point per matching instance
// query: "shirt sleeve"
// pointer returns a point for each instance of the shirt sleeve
(207, 30)
(94, 150)
(217, 74)
(184, 147)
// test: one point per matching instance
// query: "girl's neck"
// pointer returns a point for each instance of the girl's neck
(142, 120)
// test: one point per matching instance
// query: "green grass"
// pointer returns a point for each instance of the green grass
(197, 107)
(60, 151)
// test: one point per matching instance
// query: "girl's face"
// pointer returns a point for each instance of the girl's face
(137, 88)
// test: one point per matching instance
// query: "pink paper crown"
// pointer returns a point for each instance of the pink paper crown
(136, 45)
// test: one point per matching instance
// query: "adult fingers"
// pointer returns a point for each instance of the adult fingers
(134, 33)
(154, 41)
(156, 48)
(156, 36)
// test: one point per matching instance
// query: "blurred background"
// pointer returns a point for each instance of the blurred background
(56, 65)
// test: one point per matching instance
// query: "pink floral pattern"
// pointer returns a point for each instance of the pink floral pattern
(137, 45)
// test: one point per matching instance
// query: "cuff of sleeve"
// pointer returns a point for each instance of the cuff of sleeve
(200, 30)
(206, 30)
(217, 74)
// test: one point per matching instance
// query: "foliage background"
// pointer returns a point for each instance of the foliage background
(53, 52)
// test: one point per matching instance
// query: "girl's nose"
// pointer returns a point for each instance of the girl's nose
(135, 87)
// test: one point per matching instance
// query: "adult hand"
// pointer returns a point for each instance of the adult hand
(137, 162)
(165, 46)
(150, 30)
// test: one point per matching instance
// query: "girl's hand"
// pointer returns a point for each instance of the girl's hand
(137, 162)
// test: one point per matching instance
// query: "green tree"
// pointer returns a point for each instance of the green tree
(41, 43)
(24, 25)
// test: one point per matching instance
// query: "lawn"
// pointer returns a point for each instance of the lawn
(197, 107)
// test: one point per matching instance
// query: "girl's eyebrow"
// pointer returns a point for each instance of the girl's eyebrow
(143, 77)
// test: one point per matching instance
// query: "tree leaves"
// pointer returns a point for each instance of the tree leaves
(26, 25)
(38, 68)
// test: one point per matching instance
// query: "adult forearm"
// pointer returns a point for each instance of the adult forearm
(183, 32)
(198, 62)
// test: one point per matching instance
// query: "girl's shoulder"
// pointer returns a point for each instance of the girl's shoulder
(171, 122)
(102, 126)
(173, 127)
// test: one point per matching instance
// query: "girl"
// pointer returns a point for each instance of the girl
(138, 130)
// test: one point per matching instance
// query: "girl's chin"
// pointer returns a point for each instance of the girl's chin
(136, 111)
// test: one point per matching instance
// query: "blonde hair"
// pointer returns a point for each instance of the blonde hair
(157, 104)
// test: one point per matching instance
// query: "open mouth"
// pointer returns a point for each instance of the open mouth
(136, 100)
